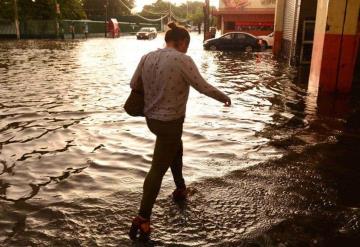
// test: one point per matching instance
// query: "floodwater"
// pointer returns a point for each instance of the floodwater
(72, 162)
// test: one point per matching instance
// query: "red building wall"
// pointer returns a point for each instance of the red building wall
(256, 24)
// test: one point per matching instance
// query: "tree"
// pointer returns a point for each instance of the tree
(42, 9)
(196, 13)
(6, 10)
(157, 9)
(71, 9)
(192, 11)
(95, 9)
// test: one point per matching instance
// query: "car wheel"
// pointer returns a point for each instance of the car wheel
(248, 48)
(264, 45)
(213, 48)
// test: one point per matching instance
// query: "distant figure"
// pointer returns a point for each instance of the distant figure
(62, 31)
(72, 30)
(86, 30)
(165, 77)
(212, 32)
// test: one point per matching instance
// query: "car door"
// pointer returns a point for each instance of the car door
(226, 42)
(240, 41)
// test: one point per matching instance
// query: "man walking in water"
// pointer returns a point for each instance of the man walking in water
(72, 30)
(165, 77)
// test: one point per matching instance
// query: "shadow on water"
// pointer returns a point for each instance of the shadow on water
(323, 177)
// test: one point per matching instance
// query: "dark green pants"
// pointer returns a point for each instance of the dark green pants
(167, 153)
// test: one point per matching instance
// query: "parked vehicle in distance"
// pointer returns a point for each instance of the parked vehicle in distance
(268, 39)
(146, 33)
(239, 41)
(194, 28)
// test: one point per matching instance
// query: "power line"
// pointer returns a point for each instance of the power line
(142, 17)
(179, 19)
(153, 13)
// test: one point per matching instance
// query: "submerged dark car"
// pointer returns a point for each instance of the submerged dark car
(237, 41)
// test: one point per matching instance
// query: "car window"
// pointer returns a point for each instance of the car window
(240, 36)
(250, 37)
(227, 36)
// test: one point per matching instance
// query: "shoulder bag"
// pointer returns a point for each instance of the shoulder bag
(134, 105)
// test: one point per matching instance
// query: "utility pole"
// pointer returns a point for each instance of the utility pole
(57, 12)
(206, 19)
(187, 9)
(162, 23)
(106, 16)
(16, 19)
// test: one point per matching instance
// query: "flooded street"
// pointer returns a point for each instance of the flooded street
(72, 162)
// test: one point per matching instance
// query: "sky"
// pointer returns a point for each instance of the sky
(141, 3)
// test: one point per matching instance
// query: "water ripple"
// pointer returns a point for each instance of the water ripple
(61, 108)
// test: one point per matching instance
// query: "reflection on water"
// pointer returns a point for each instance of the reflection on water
(69, 153)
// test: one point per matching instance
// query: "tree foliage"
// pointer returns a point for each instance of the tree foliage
(6, 9)
(95, 9)
(192, 10)
(72, 9)
(69, 9)
(42, 9)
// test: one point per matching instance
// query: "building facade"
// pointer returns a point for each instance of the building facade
(252, 16)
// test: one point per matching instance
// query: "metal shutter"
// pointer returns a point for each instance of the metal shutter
(289, 18)
(291, 23)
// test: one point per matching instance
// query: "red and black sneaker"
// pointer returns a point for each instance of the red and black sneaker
(180, 194)
(140, 226)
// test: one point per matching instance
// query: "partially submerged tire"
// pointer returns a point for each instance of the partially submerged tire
(248, 48)
(264, 46)
(212, 48)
